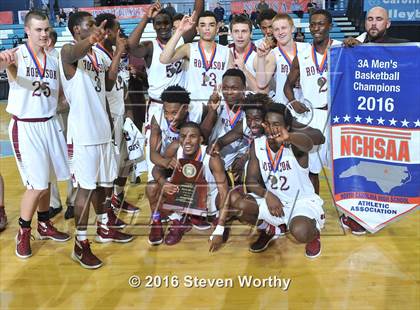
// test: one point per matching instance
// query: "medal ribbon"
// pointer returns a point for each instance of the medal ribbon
(41, 71)
(207, 64)
(324, 61)
(102, 48)
(94, 61)
(198, 156)
(250, 50)
(286, 56)
(161, 45)
(274, 163)
(236, 116)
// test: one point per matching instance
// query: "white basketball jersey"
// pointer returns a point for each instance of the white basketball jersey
(225, 122)
(205, 159)
(289, 180)
(314, 83)
(88, 122)
(116, 95)
(169, 134)
(30, 95)
(283, 65)
(162, 76)
(248, 58)
(205, 71)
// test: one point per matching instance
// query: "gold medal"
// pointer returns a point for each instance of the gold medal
(207, 78)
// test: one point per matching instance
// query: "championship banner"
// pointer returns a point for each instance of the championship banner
(375, 131)
(285, 6)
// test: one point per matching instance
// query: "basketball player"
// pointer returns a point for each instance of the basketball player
(265, 21)
(116, 101)
(92, 160)
(159, 75)
(38, 145)
(208, 61)
(243, 51)
(251, 128)
(280, 189)
(190, 147)
(275, 63)
(3, 217)
(222, 116)
(62, 114)
(163, 132)
(310, 67)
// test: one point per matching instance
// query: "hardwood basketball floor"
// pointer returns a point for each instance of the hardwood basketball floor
(380, 271)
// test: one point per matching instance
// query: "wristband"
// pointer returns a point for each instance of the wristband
(218, 231)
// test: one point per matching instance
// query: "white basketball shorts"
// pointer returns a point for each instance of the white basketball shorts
(40, 150)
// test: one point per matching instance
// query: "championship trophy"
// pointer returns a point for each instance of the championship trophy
(191, 197)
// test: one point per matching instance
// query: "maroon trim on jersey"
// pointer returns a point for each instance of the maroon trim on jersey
(32, 120)
(70, 151)
(15, 140)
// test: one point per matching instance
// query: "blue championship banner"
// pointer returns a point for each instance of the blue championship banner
(375, 131)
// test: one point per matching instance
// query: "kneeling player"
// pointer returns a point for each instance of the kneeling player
(190, 147)
(279, 186)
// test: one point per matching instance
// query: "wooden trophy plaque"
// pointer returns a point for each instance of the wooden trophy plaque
(191, 197)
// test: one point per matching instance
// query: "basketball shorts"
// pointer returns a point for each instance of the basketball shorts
(40, 151)
(93, 165)
(308, 207)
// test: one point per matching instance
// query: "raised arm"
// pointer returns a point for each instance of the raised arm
(145, 49)
(210, 118)
(170, 53)
(265, 66)
(70, 53)
(112, 72)
(191, 33)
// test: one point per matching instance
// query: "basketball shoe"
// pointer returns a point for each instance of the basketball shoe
(349, 223)
(313, 248)
(156, 233)
(199, 223)
(113, 220)
(23, 243)
(106, 234)
(266, 236)
(177, 230)
(118, 202)
(84, 256)
(46, 230)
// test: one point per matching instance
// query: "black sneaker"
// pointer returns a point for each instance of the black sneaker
(69, 212)
(54, 211)
(263, 241)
